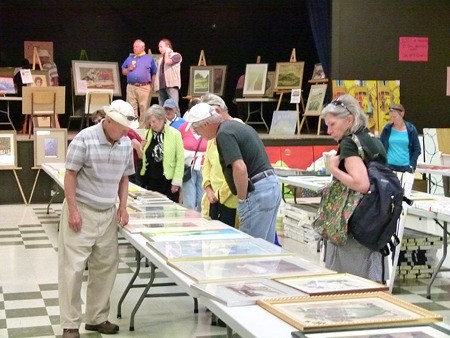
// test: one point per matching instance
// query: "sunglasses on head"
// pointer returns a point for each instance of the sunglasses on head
(338, 102)
(129, 117)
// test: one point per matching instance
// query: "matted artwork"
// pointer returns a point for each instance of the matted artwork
(28, 49)
(216, 249)
(432, 331)
(245, 292)
(7, 85)
(50, 145)
(332, 284)
(289, 75)
(255, 79)
(318, 73)
(40, 78)
(8, 149)
(270, 84)
(206, 232)
(219, 76)
(167, 226)
(284, 122)
(315, 100)
(236, 269)
(347, 311)
(200, 80)
(96, 75)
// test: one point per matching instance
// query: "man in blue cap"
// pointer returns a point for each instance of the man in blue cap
(173, 113)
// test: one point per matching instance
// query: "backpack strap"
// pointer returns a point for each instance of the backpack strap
(358, 144)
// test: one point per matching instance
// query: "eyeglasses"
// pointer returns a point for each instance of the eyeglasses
(338, 102)
(129, 117)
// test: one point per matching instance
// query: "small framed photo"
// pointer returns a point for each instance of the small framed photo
(8, 149)
(201, 80)
(347, 311)
(96, 75)
(40, 78)
(50, 145)
(255, 79)
(219, 76)
(318, 73)
(289, 75)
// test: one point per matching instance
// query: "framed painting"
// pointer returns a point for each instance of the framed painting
(194, 233)
(7, 85)
(28, 49)
(201, 80)
(289, 75)
(431, 331)
(270, 84)
(255, 79)
(237, 269)
(284, 122)
(8, 149)
(318, 73)
(50, 145)
(95, 75)
(40, 78)
(347, 311)
(245, 292)
(315, 100)
(332, 284)
(219, 76)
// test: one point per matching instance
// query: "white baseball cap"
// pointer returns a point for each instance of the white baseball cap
(199, 112)
(122, 112)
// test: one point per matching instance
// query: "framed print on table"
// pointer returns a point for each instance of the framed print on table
(40, 78)
(50, 145)
(255, 79)
(332, 284)
(201, 80)
(8, 149)
(96, 75)
(289, 75)
(347, 311)
(219, 76)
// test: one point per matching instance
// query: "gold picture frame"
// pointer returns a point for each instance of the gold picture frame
(50, 145)
(345, 311)
(289, 75)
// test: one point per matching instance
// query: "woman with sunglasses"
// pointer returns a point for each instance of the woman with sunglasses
(343, 118)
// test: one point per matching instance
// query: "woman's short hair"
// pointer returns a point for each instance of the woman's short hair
(344, 106)
(155, 111)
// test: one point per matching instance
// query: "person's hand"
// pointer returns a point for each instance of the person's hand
(122, 216)
(174, 189)
(75, 222)
(333, 163)
(132, 66)
(211, 195)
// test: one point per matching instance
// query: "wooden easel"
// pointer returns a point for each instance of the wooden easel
(36, 59)
(83, 57)
(323, 81)
(293, 58)
(201, 63)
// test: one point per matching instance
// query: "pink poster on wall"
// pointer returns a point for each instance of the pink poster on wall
(413, 49)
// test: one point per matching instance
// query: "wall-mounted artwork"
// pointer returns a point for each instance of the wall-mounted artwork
(50, 146)
(200, 80)
(96, 75)
(8, 149)
(289, 75)
(255, 79)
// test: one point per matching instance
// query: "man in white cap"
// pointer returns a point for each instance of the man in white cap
(98, 163)
(246, 168)
(49, 65)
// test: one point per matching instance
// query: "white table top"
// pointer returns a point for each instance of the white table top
(10, 98)
(314, 183)
(256, 99)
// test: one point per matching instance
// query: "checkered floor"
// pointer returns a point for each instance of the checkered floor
(29, 290)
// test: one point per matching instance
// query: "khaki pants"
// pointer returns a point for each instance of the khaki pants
(97, 245)
(139, 98)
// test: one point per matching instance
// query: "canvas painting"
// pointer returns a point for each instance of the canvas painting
(96, 75)
(219, 76)
(8, 149)
(200, 80)
(245, 292)
(284, 122)
(289, 75)
(270, 84)
(358, 310)
(315, 100)
(7, 85)
(50, 145)
(318, 73)
(255, 79)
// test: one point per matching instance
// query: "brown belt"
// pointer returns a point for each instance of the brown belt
(140, 84)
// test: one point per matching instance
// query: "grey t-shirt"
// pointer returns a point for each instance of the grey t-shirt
(238, 141)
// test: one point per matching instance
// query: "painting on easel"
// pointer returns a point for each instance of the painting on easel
(289, 75)
(8, 149)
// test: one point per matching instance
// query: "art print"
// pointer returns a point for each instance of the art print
(8, 149)
(255, 79)
(50, 146)
(315, 100)
(284, 122)
(96, 75)
(200, 233)
(318, 73)
(201, 80)
(219, 76)
(7, 85)
(289, 75)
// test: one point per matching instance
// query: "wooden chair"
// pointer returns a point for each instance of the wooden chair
(95, 99)
(43, 105)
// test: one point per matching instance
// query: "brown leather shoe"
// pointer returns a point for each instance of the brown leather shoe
(71, 333)
(105, 327)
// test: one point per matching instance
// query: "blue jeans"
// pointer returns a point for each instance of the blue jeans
(258, 213)
(192, 191)
(168, 93)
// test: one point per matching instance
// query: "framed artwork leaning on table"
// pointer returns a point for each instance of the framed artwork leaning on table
(8, 149)
(50, 145)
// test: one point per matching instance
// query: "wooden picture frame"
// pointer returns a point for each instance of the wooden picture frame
(50, 145)
(245, 292)
(289, 75)
(43, 76)
(200, 80)
(318, 73)
(347, 311)
(432, 330)
(255, 79)
(315, 100)
(219, 77)
(8, 150)
(332, 284)
(238, 269)
(95, 75)
(284, 122)
(270, 84)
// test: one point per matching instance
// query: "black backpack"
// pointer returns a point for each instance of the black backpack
(374, 221)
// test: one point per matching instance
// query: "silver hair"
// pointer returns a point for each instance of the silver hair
(155, 111)
(344, 106)
(213, 119)
(214, 100)
(142, 43)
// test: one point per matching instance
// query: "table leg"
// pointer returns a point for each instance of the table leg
(34, 185)
(20, 187)
(262, 117)
(444, 256)
(229, 332)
